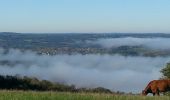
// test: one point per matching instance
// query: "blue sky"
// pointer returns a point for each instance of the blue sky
(85, 16)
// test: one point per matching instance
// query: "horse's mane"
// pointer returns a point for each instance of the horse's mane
(148, 86)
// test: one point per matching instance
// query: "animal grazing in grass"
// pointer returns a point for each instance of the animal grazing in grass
(157, 86)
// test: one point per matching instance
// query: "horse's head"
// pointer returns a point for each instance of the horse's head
(144, 93)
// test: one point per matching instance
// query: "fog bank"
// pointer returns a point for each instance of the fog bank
(152, 43)
(115, 72)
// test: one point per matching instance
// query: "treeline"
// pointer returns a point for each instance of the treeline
(27, 83)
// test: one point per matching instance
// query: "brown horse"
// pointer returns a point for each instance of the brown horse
(157, 86)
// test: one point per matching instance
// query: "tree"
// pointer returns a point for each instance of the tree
(166, 71)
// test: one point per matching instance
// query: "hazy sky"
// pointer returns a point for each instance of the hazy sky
(85, 15)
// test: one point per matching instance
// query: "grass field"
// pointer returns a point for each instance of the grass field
(30, 95)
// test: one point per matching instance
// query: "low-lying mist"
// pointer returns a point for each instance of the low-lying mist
(115, 72)
(152, 43)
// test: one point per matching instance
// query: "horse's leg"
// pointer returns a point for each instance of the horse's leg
(154, 91)
(157, 93)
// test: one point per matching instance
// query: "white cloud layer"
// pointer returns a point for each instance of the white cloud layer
(152, 43)
(129, 74)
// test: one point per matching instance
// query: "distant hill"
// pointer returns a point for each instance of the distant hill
(72, 43)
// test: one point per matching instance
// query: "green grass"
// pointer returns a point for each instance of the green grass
(30, 95)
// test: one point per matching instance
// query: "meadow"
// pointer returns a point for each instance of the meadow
(32, 95)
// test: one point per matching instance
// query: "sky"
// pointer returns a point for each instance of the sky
(92, 16)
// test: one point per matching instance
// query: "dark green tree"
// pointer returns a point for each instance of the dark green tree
(166, 71)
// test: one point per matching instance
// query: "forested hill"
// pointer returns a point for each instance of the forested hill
(27, 83)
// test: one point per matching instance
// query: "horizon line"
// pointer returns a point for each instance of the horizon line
(87, 32)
